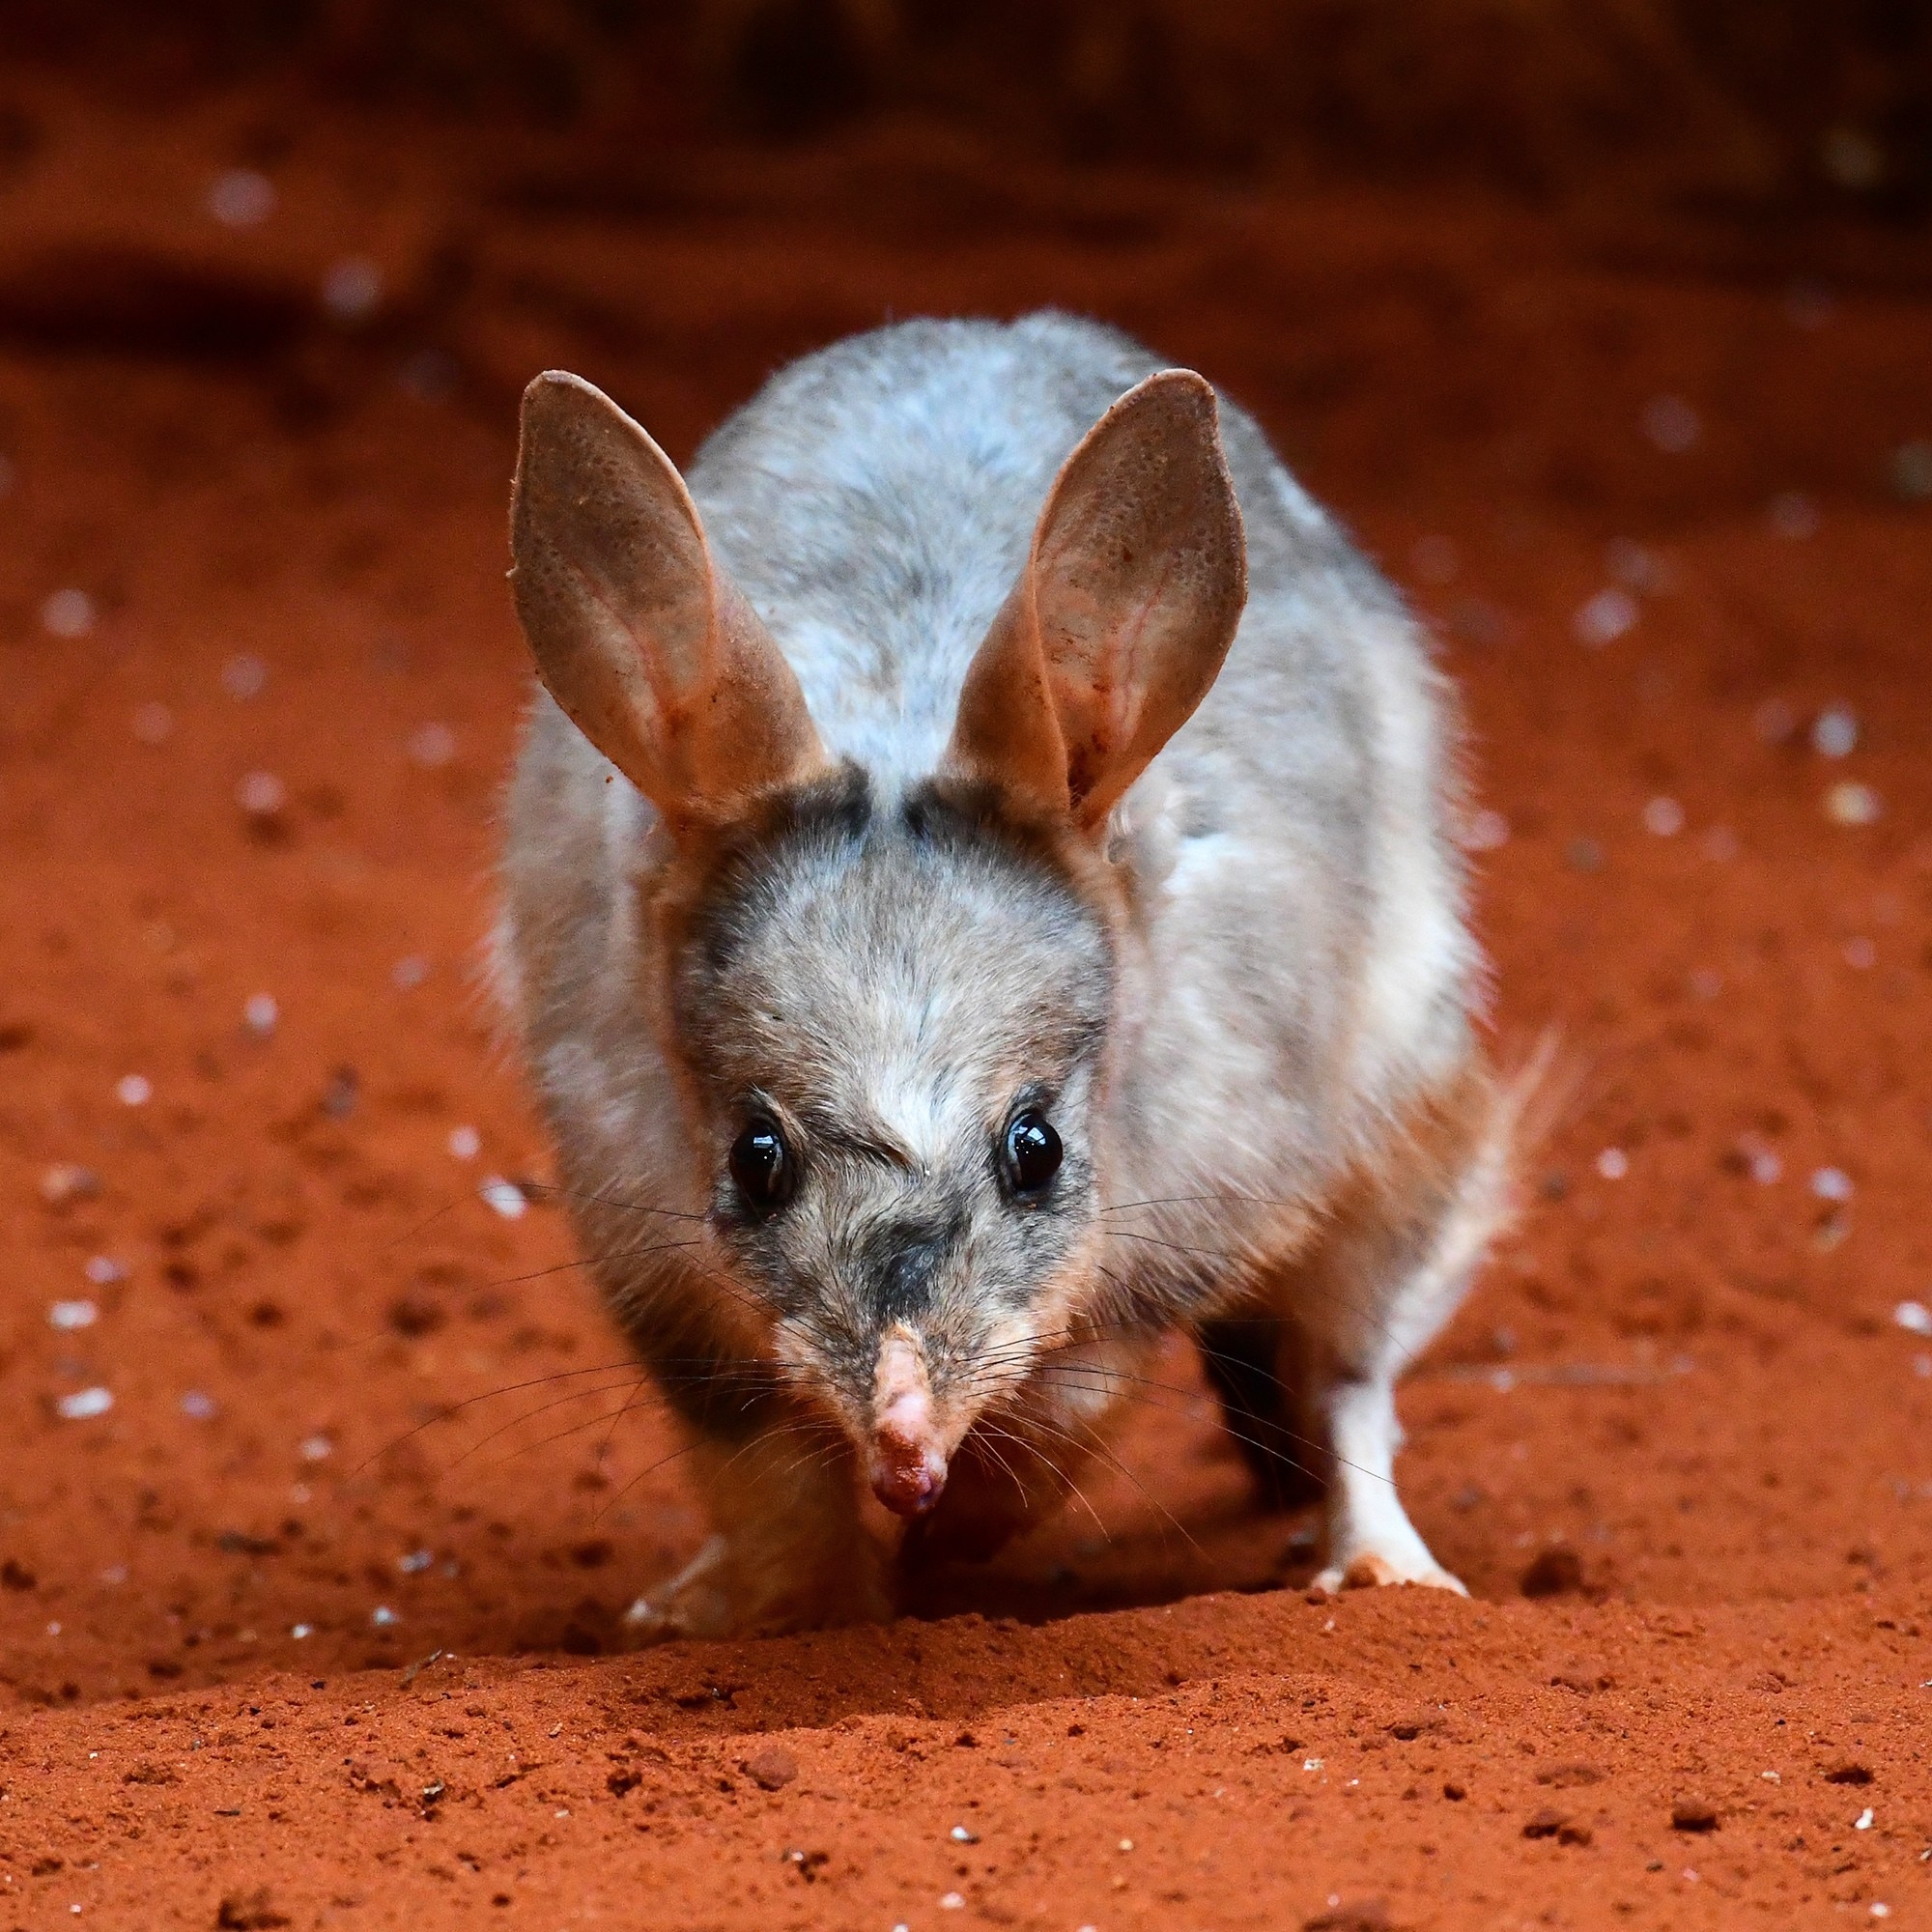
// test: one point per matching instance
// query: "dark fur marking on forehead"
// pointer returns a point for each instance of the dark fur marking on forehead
(835, 811)
(959, 815)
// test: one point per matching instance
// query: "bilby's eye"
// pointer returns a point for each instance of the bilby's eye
(762, 1167)
(1033, 1153)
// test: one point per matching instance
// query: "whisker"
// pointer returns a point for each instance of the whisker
(608, 1201)
(589, 1262)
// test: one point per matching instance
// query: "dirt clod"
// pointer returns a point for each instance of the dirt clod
(770, 1769)
(249, 1912)
(1555, 1572)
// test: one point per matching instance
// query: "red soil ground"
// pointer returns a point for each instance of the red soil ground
(305, 1628)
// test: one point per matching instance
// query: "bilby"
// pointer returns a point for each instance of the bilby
(981, 894)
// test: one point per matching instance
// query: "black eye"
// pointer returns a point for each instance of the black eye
(1033, 1153)
(761, 1166)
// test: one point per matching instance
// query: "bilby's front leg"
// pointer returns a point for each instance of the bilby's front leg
(789, 1550)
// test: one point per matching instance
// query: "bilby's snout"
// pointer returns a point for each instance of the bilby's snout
(907, 1463)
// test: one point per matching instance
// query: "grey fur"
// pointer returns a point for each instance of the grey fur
(1289, 981)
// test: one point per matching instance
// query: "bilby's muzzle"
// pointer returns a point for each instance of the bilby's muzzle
(908, 1459)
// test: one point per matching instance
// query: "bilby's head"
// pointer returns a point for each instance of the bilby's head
(891, 1005)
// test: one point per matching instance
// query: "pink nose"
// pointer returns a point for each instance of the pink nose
(908, 1456)
(908, 1475)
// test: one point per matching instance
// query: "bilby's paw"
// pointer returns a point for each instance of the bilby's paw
(726, 1592)
(1377, 1570)
(696, 1603)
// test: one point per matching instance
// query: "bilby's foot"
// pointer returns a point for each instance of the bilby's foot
(694, 1603)
(724, 1592)
(1376, 1570)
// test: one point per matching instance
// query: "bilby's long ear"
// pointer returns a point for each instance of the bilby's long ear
(1124, 612)
(637, 634)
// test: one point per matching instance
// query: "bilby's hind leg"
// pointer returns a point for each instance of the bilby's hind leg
(1255, 1363)
(1392, 1264)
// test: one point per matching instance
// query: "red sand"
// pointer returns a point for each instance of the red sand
(1686, 1381)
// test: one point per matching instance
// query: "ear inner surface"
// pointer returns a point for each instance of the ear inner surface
(638, 634)
(1124, 615)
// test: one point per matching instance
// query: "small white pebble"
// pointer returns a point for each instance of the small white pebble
(410, 973)
(960, 1836)
(382, 1616)
(261, 794)
(505, 1195)
(133, 1089)
(302, 1629)
(1634, 567)
(564, 1812)
(1880, 1909)
(84, 1404)
(465, 1143)
(259, 1015)
(316, 1448)
(1832, 1183)
(1771, 1778)
(1489, 832)
(197, 1407)
(240, 198)
(1766, 1169)
(1310, 1764)
(1863, 1821)
(950, 1901)
(1127, 1844)
(54, 1630)
(414, 1563)
(68, 614)
(1860, 955)
(104, 1271)
(71, 1315)
(64, 1181)
(352, 291)
(1664, 816)
(1852, 803)
(431, 745)
(1671, 425)
(244, 676)
(153, 723)
(1794, 515)
(1835, 732)
(1614, 1163)
(1913, 1317)
(1604, 618)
